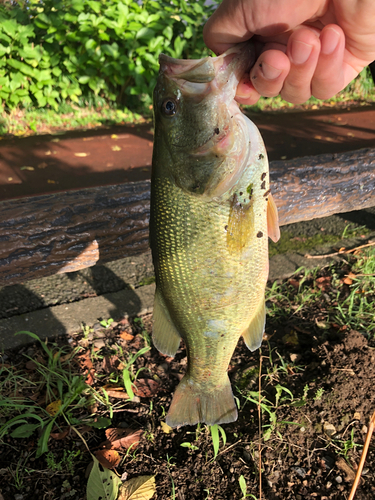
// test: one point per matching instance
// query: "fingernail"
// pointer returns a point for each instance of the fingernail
(270, 72)
(244, 89)
(329, 40)
(300, 51)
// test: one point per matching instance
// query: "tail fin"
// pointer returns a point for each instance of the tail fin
(190, 405)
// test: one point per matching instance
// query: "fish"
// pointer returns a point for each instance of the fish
(211, 214)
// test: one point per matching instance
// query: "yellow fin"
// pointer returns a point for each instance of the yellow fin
(164, 334)
(191, 404)
(240, 226)
(253, 334)
(272, 220)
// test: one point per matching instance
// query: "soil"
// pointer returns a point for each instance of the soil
(323, 373)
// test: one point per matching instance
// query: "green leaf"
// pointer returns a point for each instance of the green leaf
(101, 423)
(102, 484)
(145, 33)
(24, 431)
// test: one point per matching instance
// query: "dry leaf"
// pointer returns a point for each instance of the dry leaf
(166, 428)
(122, 439)
(116, 148)
(27, 168)
(54, 407)
(138, 488)
(115, 391)
(30, 365)
(60, 435)
(291, 338)
(81, 155)
(126, 336)
(108, 458)
(10, 179)
(145, 388)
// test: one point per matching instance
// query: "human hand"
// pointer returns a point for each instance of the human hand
(304, 48)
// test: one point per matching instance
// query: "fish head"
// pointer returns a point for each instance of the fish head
(198, 122)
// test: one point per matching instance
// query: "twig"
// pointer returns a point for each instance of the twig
(308, 256)
(260, 425)
(371, 428)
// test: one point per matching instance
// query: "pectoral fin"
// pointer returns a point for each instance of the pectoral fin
(253, 334)
(272, 220)
(240, 226)
(164, 334)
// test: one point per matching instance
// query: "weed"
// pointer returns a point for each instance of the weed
(214, 429)
(242, 483)
(65, 464)
(189, 445)
(319, 394)
(106, 323)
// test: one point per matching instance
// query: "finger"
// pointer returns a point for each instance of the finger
(303, 51)
(246, 93)
(226, 27)
(269, 72)
(328, 78)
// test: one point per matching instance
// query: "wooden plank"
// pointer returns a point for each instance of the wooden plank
(67, 231)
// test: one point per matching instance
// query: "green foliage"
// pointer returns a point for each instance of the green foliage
(57, 50)
(216, 439)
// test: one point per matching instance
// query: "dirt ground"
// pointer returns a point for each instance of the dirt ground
(73, 160)
(317, 381)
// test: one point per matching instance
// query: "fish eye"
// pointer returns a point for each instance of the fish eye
(169, 107)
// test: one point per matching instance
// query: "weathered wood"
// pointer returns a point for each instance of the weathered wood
(67, 231)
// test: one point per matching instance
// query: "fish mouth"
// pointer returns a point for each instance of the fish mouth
(200, 76)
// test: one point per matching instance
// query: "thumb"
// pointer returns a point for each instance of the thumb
(226, 27)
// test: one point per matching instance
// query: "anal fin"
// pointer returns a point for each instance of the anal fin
(272, 220)
(164, 333)
(253, 334)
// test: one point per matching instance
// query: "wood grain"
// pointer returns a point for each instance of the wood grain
(67, 231)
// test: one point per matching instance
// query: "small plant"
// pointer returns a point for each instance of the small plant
(106, 323)
(319, 394)
(66, 463)
(191, 446)
(214, 429)
(242, 483)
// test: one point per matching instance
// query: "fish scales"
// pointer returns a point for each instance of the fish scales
(210, 253)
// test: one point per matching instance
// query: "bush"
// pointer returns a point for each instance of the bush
(57, 50)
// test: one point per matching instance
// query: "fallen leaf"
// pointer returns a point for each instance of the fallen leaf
(126, 336)
(10, 179)
(145, 388)
(56, 139)
(324, 282)
(108, 458)
(27, 168)
(30, 365)
(81, 155)
(102, 483)
(115, 391)
(110, 363)
(294, 283)
(329, 429)
(116, 148)
(60, 435)
(138, 488)
(114, 136)
(122, 439)
(166, 428)
(54, 407)
(291, 338)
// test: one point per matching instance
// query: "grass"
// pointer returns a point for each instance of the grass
(95, 112)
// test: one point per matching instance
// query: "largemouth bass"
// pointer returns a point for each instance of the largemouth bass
(211, 213)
